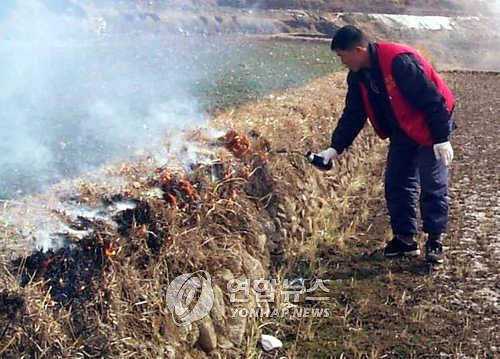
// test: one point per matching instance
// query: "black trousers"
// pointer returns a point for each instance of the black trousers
(413, 174)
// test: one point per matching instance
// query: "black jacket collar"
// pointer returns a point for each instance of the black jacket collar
(373, 55)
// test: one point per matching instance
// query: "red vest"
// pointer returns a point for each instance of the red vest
(411, 120)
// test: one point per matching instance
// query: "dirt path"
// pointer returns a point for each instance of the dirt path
(406, 308)
(472, 279)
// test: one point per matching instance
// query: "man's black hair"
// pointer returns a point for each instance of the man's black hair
(347, 38)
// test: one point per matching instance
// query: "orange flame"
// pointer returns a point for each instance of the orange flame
(109, 250)
(172, 199)
(186, 186)
(237, 144)
(144, 230)
(165, 177)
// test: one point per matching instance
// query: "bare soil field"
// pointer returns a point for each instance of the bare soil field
(406, 308)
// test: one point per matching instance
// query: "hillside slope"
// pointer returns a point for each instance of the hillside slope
(446, 29)
(427, 7)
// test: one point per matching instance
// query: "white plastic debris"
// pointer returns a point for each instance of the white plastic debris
(269, 342)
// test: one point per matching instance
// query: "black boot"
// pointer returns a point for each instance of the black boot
(434, 249)
(402, 245)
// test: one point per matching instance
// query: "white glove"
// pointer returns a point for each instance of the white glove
(444, 152)
(326, 155)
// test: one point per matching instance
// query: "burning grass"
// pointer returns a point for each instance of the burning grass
(245, 208)
(101, 287)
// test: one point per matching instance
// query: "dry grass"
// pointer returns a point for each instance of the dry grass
(106, 296)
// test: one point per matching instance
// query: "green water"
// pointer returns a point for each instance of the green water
(258, 67)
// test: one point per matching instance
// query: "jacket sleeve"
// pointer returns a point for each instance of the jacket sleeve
(353, 117)
(421, 92)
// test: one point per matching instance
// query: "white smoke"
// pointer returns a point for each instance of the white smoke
(495, 5)
(73, 98)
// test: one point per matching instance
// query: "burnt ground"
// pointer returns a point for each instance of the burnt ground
(406, 308)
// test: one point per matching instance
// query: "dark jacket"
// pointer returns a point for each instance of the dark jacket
(419, 90)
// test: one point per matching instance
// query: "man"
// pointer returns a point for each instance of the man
(407, 102)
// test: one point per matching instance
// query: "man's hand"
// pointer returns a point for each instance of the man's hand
(324, 159)
(444, 152)
(328, 155)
